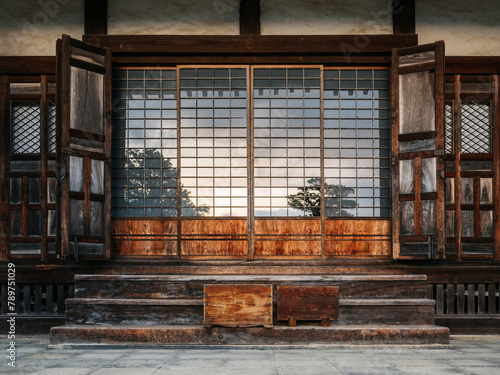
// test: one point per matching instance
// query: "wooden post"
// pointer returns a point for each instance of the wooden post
(96, 17)
(249, 17)
(403, 16)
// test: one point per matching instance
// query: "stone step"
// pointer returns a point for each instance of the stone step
(191, 286)
(190, 311)
(172, 336)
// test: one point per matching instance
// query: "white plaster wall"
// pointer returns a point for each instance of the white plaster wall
(309, 17)
(468, 28)
(174, 17)
(31, 27)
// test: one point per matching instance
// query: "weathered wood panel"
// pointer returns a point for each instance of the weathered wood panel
(358, 237)
(144, 237)
(308, 303)
(238, 305)
(417, 104)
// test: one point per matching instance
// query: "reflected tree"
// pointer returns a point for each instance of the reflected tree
(151, 172)
(336, 199)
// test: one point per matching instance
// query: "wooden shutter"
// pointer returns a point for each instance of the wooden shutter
(84, 148)
(418, 151)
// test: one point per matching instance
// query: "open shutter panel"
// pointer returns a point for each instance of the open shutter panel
(418, 151)
(84, 148)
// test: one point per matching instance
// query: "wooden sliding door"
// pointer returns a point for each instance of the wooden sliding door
(418, 157)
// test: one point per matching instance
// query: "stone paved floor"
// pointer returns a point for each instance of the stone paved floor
(470, 355)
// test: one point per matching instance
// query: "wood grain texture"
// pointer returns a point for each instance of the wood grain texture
(283, 227)
(213, 227)
(307, 302)
(214, 248)
(287, 247)
(191, 335)
(144, 237)
(238, 305)
(358, 237)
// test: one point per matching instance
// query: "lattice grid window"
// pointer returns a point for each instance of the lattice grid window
(52, 127)
(476, 127)
(25, 127)
(448, 122)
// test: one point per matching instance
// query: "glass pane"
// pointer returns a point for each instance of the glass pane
(407, 222)
(467, 191)
(486, 191)
(34, 223)
(406, 185)
(87, 100)
(16, 223)
(213, 119)
(25, 128)
(288, 135)
(34, 191)
(97, 177)
(487, 229)
(145, 140)
(429, 218)
(468, 223)
(97, 218)
(16, 190)
(76, 174)
(450, 190)
(475, 127)
(51, 223)
(450, 223)
(429, 175)
(51, 189)
(76, 217)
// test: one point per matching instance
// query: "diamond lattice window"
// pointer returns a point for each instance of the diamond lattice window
(476, 127)
(448, 122)
(25, 128)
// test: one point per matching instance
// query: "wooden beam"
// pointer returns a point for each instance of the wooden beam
(96, 17)
(24, 65)
(343, 45)
(403, 16)
(249, 17)
(472, 65)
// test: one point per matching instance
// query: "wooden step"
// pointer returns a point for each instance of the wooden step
(134, 311)
(386, 311)
(190, 311)
(219, 336)
(191, 286)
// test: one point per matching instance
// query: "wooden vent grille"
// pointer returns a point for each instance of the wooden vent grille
(37, 299)
(465, 299)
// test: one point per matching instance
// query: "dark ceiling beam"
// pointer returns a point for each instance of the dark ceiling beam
(403, 16)
(27, 65)
(96, 16)
(249, 17)
(344, 45)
